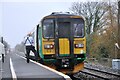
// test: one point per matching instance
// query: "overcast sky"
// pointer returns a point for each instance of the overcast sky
(18, 17)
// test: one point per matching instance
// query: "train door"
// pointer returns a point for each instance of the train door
(64, 43)
(64, 38)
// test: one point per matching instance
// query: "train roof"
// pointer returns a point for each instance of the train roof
(62, 15)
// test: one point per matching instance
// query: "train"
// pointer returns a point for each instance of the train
(60, 41)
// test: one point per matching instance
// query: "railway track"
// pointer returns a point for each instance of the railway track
(105, 72)
(96, 74)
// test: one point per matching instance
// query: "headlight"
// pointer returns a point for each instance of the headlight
(48, 46)
(79, 45)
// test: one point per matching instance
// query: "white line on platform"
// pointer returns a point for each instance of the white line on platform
(12, 70)
(65, 76)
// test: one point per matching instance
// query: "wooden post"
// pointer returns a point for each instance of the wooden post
(118, 56)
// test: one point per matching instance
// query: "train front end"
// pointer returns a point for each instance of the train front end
(63, 42)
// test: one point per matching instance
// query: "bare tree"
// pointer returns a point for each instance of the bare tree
(93, 13)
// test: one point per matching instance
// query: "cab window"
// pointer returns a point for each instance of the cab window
(48, 28)
(78, 27)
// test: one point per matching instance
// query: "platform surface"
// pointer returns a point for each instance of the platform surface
(15, 66)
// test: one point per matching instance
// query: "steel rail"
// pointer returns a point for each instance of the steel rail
(97, 76)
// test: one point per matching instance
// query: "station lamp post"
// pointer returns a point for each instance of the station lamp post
(118, 29)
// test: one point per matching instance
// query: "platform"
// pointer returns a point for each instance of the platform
(16, 64)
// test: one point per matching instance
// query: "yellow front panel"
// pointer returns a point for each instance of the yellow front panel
(64, 46)
(48, 51)
(78, 41)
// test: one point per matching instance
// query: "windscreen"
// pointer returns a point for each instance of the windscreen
(78, 27)
(65, 25)
(48, 28)
(64, 28)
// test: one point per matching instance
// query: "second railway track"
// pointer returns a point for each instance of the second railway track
(96, 74)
